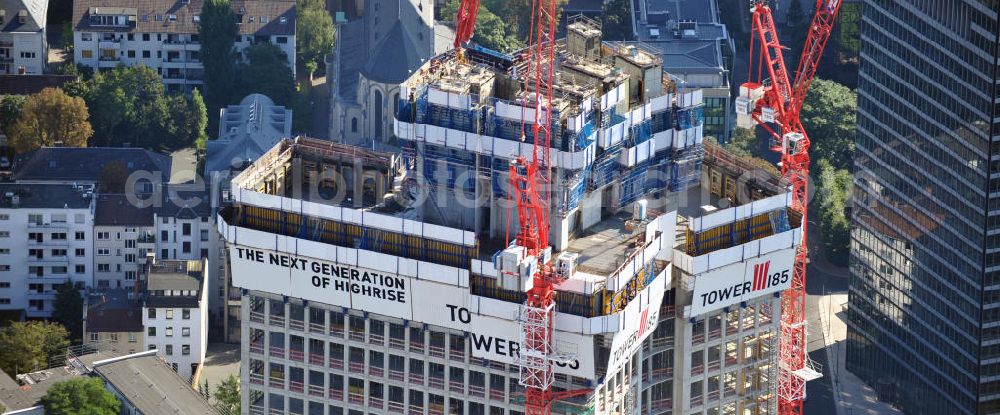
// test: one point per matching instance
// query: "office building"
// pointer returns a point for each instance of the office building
(925, 267)
(405, 299)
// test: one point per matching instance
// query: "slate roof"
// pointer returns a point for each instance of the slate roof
(117, 210)
(246, 131)
(152, 387)
(352, 54)
(113, 311)
(153, 16)
(394, 57)
(31, 83)
(35, 18)
(84, 164)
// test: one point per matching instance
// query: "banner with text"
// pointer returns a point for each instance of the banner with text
(742, 281)
(421, 301)
(638, 321)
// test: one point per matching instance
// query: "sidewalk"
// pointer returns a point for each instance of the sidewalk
(851, 394)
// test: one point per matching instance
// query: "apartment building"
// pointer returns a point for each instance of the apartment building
(175, 313)
(24, 49)
(112, 321)
(163, 34)
(46, 239)
(123, 235)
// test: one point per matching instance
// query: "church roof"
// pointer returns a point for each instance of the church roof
(395, 57)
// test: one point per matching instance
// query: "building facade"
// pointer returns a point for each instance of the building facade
(163, 35)
(46, 240)
(24, 49)
(405, 304)
(112, 321)
(925, 268)
(175, 313)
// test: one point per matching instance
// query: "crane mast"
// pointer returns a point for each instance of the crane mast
(529, 180)
(777, 99)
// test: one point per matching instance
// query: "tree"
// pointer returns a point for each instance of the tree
(313, 34)
(616, 24)
(829, 115)
(217, 33)
(834, 189)
(49, 117)
(10, 110)
(31, 345)
(267, 73)
(68, 309)
(200, 119)
(187, 120)
(744, 143)
(80, 396)
(227, 395)
(795, 21)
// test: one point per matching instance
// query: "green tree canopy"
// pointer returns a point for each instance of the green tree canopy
(80, 396)
(313, 33)
(68, 309)
(267, 73)
(49, 117)
(31, 345)
(129, 105)
(834, 189)
(491, 31)
(227, 395)
(10, 110)
(829, 115)
(616, 23)
(217, 32)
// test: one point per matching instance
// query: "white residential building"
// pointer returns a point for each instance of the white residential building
(175, 313)
(23, 47)
(163, 34)
(45, 240)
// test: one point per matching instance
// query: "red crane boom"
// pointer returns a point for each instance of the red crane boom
(778, 100)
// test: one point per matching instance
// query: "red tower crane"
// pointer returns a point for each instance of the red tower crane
(529, 184)
(772, 97)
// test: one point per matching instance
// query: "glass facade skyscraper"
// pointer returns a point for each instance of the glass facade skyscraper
(924, 300)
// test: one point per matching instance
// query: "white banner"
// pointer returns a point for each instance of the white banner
(742, 281)
(638, 321)
(418, 300)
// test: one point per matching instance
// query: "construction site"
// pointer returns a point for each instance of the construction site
(396, 283)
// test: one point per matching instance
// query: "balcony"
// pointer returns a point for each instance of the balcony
(256, 317)
(436, 382)
(296, 386)
(397, 375)
(356, 367)
(296, 355)
(276, 383)
(316, 359)
(278, 352)
(336, 394)
(396, 407)
(57, 226)
(376, 371)
(316, 390)
(257, 379)
(436, 351)
(356, 398)
(478, 391)
(337, 364)
(375, 403)
(6, 59)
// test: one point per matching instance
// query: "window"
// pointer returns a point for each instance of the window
(151, 332)
(80, 252)
(28, 55)
(132, 338)
(103, 251)
(4, 301)
(59, 218)
(103, 267)
(186, 313)
(170, 314)
(78, 218)
(4, 251)
(79, 236)
(204, 235)
(186, 247)
(281, 39)
(169, 332)
(170, 351)
(114, 337)
(103, 236)
(204, 253)
(151, 314)
(87, 54)
(185, 349)
(186, 229)
(131, 54)
(130, 243)
(146, 54)
(93, 337)
(86, 37)
(185, 332)
(59, 236)
(164, 253)
(35, 219)
(145, 36)
(58, 252)
(354, 124)
(59, 270)
(164, 235)
(80, 269)
(33, 236)
(36, 253)
(4, 285)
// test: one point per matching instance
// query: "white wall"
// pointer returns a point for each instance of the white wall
(29, 42)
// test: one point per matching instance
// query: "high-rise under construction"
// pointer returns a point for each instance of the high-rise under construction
(375, 283)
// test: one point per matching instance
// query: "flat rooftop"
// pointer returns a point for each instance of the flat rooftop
(607, 245)
(43, 196)
(174, 283)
